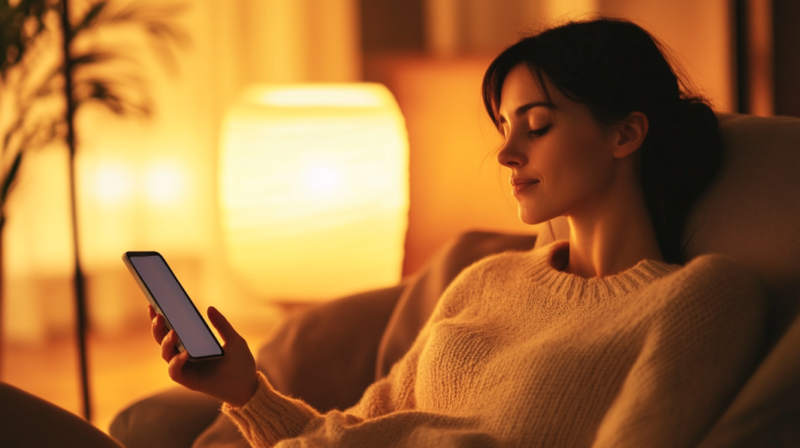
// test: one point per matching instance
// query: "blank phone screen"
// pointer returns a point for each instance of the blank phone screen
(181, 314)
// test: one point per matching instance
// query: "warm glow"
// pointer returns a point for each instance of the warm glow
(313, 96)
(314, 189)
(117, 184)
(324, 180)
(164, 183)
(113, 184)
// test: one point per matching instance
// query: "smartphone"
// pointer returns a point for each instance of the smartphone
(170, 300)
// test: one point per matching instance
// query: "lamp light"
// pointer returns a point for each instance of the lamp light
(314, 189)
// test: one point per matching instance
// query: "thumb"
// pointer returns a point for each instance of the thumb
(225, 329)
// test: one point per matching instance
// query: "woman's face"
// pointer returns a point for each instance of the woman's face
(560, 156)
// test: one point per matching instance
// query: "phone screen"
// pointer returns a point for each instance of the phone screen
(176, 306)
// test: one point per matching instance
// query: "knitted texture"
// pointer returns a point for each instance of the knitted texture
(518, 353)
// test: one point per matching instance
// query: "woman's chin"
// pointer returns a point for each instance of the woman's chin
(527, 217)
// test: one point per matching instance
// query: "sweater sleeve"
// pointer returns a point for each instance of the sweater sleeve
(695, 354)
(385, 416)
(269, 416)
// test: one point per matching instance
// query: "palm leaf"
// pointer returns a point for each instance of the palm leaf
(154, 20)
(90, 58)
(90, 18)
(113, 95)
(10, 177)
(15, 38)
(24, 23)
(145, 15)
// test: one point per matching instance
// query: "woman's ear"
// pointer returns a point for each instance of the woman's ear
(632, 131)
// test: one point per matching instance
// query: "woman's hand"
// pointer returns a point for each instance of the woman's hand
(231, 378)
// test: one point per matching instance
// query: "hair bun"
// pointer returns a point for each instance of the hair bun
(695, 108)
(693, 118)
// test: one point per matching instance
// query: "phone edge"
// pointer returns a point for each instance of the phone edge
(126, 260)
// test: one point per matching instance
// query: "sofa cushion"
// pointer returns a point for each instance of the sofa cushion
(752, 210)
(168, 419)
(326, 354)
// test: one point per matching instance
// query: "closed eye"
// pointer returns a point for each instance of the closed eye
(539, 132)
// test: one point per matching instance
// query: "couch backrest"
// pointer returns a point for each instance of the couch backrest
(752, 210)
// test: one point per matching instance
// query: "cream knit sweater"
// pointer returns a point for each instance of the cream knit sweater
(519, 354)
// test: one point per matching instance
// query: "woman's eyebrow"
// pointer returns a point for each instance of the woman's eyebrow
(526, 107)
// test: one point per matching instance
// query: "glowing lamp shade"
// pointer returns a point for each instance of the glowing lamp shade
(314, 189)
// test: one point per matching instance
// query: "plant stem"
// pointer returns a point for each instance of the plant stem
(80, 293)
(2, 292)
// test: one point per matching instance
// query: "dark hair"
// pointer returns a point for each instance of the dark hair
(615, 67)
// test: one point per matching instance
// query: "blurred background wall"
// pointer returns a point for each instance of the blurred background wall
(153, 185)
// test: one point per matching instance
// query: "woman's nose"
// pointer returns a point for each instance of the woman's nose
(510, 156)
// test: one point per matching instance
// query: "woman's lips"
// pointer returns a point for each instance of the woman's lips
(519, 184)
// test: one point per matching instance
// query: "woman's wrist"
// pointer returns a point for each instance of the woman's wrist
(247, 394)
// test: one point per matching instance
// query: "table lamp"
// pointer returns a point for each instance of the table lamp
(313, 193)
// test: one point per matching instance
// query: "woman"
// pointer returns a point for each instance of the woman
(600, 340)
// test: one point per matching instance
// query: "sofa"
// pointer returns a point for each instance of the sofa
(328, 354)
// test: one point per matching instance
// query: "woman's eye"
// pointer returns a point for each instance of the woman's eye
(539, 132)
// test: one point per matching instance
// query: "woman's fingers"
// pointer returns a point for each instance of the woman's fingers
(175, 369)
(158, 328)
(232, 378)
(151, 311)
(169, 346)
(225, 329)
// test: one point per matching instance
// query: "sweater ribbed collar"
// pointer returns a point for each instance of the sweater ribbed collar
(571, 286)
